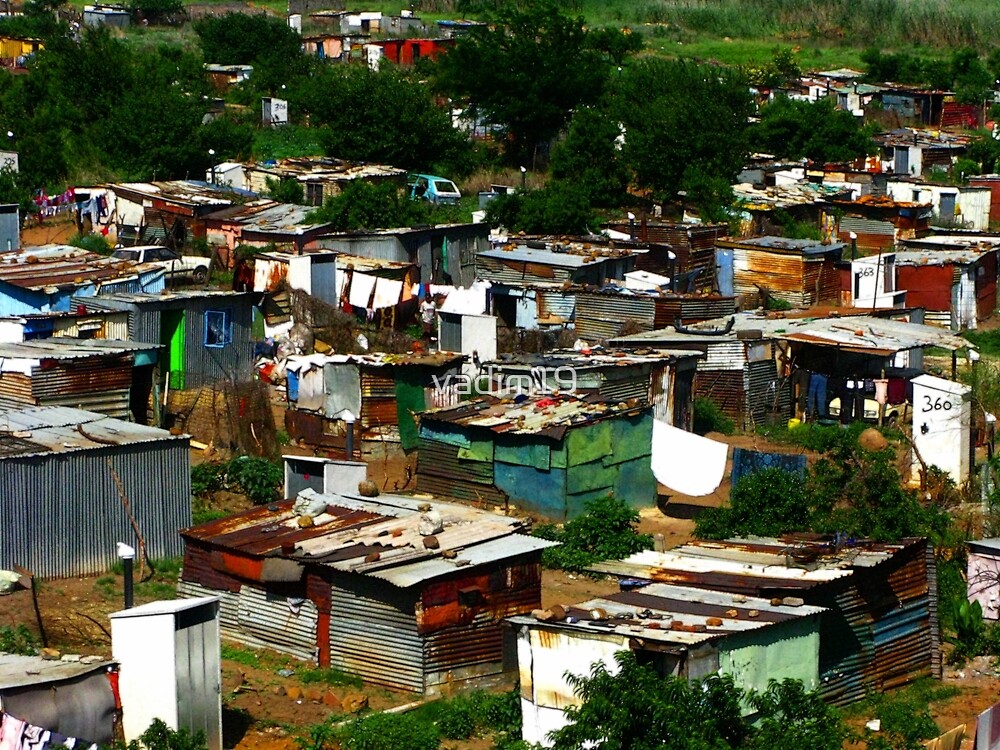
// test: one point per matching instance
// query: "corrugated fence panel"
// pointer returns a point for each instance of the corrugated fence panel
(70, 515)
(375, 638)
(725, 388)
(765, 391)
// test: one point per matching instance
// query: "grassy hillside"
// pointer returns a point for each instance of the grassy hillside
(829, 34)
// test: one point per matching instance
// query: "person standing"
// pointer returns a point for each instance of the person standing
(428, 316)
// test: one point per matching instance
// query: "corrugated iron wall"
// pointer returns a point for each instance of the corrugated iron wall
(691, 309)
(205, 365)
(518, 272)
(373, 633)
(440, 471)
(378, 397)
(879, 635)
(601, 316)
(70, 515)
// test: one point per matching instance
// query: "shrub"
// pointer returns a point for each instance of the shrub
(457, 720)
(607, 531)
(18, 640)
(206, 478)
(769, 502)
(708, 417)
(388, 732)
(257, 478)
(161, 737)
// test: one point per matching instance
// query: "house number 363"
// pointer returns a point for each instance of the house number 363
(936, 404)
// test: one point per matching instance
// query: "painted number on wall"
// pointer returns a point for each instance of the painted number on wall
(935, 404)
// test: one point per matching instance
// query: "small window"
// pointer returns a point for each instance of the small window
(218, 328)
(314, 193)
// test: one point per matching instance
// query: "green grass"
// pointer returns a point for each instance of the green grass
(240, 654)
(987, 342)
(281, 143)
(312, 676)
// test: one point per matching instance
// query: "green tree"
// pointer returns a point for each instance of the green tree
(636, 709)
(367, 205)
(984, 150)
(287, 190)
(526, 72)
(770, 502)
(817, 131)
(245, 39)
(682, 122)
(607, 531)
(385, 116)
(973, 83)
(14, 190)
(561, 207)
(591, 156)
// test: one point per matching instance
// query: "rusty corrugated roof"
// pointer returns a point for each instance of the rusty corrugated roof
(380, 536)
(550, 415)
(52, 267)
(674, 614)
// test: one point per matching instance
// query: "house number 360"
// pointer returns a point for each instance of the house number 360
(936, 404)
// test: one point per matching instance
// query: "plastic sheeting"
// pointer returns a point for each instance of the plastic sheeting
(687, 463)
(81, 707)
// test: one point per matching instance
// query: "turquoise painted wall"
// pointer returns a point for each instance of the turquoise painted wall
(784, 650)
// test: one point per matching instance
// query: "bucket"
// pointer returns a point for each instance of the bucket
(793, 423)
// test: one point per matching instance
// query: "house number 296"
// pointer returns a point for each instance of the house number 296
(936, 404)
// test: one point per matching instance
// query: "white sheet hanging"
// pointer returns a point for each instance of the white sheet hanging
(687, 463)
(387, 293)
(362, 287)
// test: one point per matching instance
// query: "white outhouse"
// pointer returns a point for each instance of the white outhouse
(942, 426)
(168, 652)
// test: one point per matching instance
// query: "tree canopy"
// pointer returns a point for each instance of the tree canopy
(527, 71)
(684, 124)
(382, 116)
(817, 131)
(634, 708)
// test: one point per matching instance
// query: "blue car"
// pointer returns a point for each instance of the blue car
(434, 189)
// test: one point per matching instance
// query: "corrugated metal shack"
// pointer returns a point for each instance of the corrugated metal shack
(693, 246)
(98, 325)
(381, 391)
(445, 253)
(954, 278)
(662, 378)
(800, 272)
(881, 630)
(603, 315)
(738, 371)
(879, 221)
(802, 201)
(321, 177)
(679, 631)
(262, 223)
(166, 213)
(560, 263)
(57, 478)
(546, 454)
(404, 592)
(102, 376)
(207, 336)
(42, 279)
